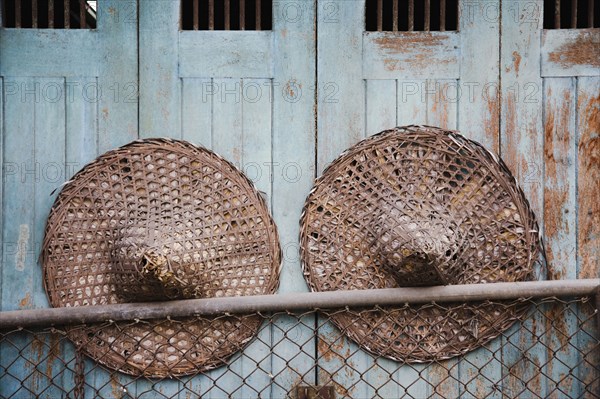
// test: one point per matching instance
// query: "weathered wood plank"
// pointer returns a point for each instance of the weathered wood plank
(560, 225)
(588, 211)
(521, 140)
(117, 31)
(234, 54)
(571, 52)
(118, 77)
(341, 119)
(49, 158)
(196, 110)
(293, 174)
(50, 52)
(410, 55)
(588, 179)
(341, 123)
(442, 99)
(479, 119)
(159, 102)
(412, 103)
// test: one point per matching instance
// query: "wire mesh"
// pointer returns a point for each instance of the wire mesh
(554, 352)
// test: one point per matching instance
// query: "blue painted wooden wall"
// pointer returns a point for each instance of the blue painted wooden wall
(282, 104)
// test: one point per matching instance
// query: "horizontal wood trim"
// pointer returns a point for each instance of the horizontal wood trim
(232, 54)
(571, 52)
(50, 53)
(414, 55)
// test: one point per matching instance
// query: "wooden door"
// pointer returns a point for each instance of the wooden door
(374, 80)
(67, 94)
(549, 135)
(530, 95)
(249, 96)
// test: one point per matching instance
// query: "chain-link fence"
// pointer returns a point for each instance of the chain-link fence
(553, 352)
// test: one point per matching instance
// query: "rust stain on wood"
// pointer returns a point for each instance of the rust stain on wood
(116, 388)
(589, 186)
(25, 302)
(557, 144)
(421, 48)
(584, 50)
(492, 121)
(517, 61)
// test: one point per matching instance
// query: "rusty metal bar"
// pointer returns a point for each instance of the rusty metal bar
(242, 14)
(299, 301)
(556, 14)
(258, 15)
(395, 18)
(196, 12)
(379, 15)
(211, 14)
(67, 14)
(227, 12)
(590, 15)
(50, 14)
(573, 14)
(427, 23)
(34, 14)
(411, 15)
(82, 11)
(18, 14)
(442, 15)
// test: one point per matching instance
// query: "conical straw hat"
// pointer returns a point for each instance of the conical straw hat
(160, 219)
(418, 206)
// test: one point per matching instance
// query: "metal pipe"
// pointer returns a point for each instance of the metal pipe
(298, 301)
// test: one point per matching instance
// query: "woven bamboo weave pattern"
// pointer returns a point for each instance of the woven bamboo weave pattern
(160, 219)
(413, 206)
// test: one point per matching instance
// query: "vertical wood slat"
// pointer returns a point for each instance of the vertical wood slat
(521, 131)
(427, 22)
(51, 14)
(442, 15)
(67, 14)
(196, 13)
(211, 14)
(395, 16)
(227, 14)
(34, 14)
(258, 15)
(590, 14)
(556, 14)
(411, 15)
(379, 15)
(18, 14)
(560, 226)
(573, 14)
(82, 12)
(242, 14)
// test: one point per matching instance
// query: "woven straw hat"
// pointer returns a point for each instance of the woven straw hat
(417, 206)
(153, 220)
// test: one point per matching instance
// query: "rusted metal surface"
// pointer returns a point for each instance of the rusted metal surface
(258, 15)
(411, 15)
(427, 22)
(82, 14)
(557, 14)
(50, 14)
(196, 16)
(442, 15)
(242, 14)
(299, 301)
(227, 14)
(211, 14)
(315, 392)
(34, 14)
(67, 14)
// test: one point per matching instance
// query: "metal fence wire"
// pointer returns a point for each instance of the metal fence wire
(553, 352)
